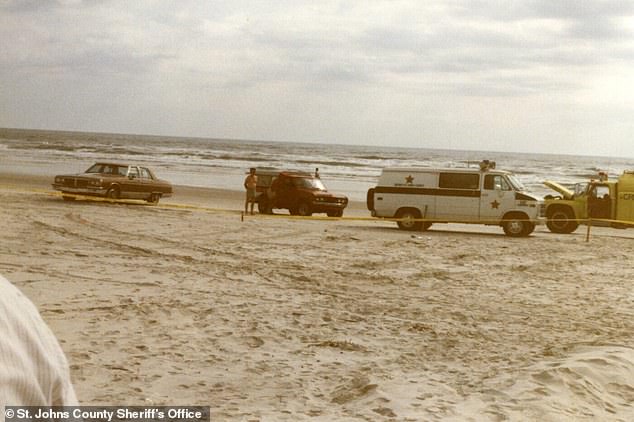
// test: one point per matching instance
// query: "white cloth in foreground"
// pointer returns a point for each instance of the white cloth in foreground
(33, 368)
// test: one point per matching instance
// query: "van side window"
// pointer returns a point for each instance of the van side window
(459, 180)
(495, 182)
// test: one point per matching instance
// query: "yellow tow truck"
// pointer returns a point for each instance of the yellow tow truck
(607, 203)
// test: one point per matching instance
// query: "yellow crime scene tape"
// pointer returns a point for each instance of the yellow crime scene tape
(587, 221)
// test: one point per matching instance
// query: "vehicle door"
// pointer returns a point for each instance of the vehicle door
(132, 186)
(146, 183)
(458, 197)
(497, 198)
(599, 201)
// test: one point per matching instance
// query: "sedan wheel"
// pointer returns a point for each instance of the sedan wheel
(113, 193)
(154, 198)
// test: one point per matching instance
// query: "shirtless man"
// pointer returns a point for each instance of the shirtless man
(250, 184)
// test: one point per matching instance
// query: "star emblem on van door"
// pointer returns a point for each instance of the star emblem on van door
(495, 204)
(409, 179)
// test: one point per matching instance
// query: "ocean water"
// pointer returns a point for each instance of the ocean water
(222, 163)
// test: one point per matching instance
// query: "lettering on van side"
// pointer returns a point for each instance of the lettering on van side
(524, 203)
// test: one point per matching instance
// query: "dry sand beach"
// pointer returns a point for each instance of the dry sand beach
(272, 319)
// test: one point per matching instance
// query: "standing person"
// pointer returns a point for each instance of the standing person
(33, 368)
(317, 173)
(250, 184)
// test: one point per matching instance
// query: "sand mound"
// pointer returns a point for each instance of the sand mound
(591, 383)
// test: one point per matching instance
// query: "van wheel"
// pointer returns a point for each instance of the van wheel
(517, 226)
(561, 220)
(408, 216)
(303, 209)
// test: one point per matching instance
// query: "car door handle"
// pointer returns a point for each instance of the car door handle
(380, 198)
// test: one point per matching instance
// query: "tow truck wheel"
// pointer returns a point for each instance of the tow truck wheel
(561, 221)
(408, 216)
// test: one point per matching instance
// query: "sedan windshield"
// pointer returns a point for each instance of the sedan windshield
(312, 184)
(96, 168)
(108, 169)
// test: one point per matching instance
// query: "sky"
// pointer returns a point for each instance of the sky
(543, 76)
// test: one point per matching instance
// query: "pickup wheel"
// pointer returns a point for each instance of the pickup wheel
(561, 220)
(113, 193)
(303, 209)
(264, 206)
(408, 215)
(338, 213)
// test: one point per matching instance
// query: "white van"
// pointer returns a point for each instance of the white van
(419, 196)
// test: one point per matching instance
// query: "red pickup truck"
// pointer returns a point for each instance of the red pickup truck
(299, 192)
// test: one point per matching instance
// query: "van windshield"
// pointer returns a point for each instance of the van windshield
(515, 182)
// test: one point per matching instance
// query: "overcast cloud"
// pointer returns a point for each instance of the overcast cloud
(526, 75)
